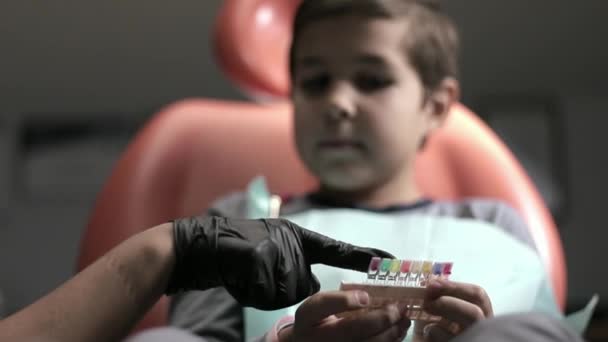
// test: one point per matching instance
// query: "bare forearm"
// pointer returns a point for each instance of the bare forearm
(112, 293)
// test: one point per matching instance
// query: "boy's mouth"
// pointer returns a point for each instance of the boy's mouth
(340, 143)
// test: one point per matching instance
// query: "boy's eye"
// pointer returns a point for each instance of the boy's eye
(315, 85)
(370, 83)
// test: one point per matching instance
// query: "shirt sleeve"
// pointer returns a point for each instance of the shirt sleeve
(213, 315)
(505, 217)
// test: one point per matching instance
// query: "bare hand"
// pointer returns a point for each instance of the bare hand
(459, 304)
(316, 321)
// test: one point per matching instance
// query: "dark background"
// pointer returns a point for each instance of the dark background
(78, 78)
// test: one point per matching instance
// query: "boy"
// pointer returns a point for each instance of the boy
(371, 79)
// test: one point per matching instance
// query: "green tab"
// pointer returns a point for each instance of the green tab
(258, 199)
(580, 320)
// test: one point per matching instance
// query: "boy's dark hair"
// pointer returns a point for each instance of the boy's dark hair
(432, 45)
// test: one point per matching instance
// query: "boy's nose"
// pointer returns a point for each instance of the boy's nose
(336, 113)
(340, 104)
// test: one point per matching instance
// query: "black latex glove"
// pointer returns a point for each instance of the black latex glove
(262, 263)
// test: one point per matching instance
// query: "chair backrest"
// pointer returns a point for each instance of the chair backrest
(196, 150)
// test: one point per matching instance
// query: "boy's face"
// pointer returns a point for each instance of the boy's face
(360, 108)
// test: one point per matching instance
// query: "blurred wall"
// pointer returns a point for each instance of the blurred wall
(66, 64)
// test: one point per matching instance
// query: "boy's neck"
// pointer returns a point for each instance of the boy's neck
(391, 193)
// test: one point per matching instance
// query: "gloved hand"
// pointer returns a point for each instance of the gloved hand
(262, 263)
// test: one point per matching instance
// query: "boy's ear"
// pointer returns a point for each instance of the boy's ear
(441, 101)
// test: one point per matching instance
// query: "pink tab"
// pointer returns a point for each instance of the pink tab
(447, 268)
(374, 264)
(405, 266)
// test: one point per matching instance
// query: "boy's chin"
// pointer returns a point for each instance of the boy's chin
(345, 183)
